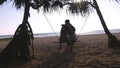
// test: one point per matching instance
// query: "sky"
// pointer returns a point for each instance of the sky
(11, 18)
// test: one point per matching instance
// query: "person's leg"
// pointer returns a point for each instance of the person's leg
(68, 46)
(60, 46)
(71, 47)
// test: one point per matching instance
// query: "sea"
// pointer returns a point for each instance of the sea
(37, 35)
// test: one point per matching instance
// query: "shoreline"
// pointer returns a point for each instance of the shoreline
(53, 34)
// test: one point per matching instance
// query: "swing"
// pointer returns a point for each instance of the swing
(77, 35)
(64, 41)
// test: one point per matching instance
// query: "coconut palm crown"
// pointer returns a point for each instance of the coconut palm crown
(82, 7)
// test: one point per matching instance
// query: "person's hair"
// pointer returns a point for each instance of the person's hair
(67, 21)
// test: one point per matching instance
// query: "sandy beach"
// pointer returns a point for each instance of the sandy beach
(90, 51)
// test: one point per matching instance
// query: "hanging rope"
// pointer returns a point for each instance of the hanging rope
(83, 25)
(50, 25)
(54, 30)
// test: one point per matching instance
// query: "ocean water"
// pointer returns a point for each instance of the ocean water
(58, 34)
(5, 36)
(35, 35)
(39, 35)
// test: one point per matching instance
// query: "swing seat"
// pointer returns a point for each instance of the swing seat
(63, 39)
(71, 38)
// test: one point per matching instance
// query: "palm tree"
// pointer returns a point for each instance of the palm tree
(112, 40)
(18, 47)
(85, 7)
(22, 40)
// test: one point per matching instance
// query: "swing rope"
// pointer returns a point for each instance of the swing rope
(54, 30)
(50, 25)
(83, 25)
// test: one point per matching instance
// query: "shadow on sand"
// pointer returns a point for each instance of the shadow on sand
(58, 60)
(12, 64)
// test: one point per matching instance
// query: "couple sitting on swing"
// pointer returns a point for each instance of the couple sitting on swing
(67, 35)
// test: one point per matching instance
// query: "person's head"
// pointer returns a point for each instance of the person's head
(67, 21)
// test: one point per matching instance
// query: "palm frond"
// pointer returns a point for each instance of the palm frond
(117, 1)
(49, 6)
(19, 3)
(46, 5)
(57, 4)
(82, 7)
(2, 1)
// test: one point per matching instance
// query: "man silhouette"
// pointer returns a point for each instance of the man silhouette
(67, 35)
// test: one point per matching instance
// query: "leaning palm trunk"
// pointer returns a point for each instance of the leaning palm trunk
(19, 46)
(101, 19)
(112, 40)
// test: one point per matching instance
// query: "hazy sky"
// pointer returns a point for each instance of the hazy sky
(10, 18)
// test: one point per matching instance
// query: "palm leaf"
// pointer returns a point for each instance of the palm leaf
(57, 4)
(82, 7)
(46, 5)
(19, 3)
(2, 1)
(49, 6)
(117, 1)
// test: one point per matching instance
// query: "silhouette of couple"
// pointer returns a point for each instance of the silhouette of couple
(67, 34)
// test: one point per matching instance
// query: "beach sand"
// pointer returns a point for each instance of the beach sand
(90, 51)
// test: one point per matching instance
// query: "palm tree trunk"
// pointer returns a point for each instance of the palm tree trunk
(18, 47)
(26, 13)
(112, 40)
(26, 34)
(102, 19)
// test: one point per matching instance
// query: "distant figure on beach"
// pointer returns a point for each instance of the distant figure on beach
(67, 34)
